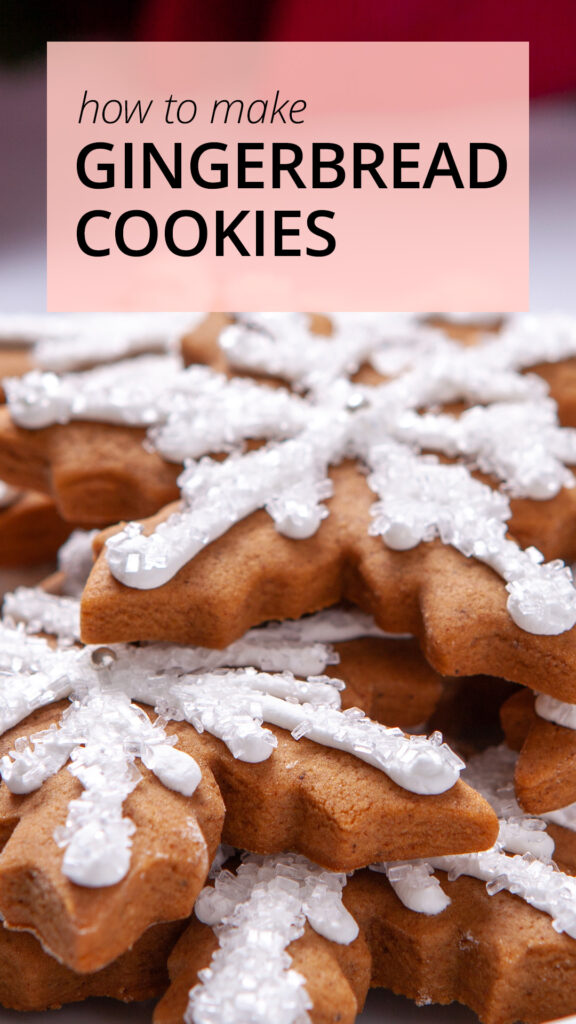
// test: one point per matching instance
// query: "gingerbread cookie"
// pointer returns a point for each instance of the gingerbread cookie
(340, 548)
(387, 677)
(542, 730)
(31, 979)
(31, 529)
(332, 940)
(378, 476)
(88, 860)
(79, 341)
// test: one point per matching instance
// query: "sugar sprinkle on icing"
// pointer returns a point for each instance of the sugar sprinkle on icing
(71, 342)
(526, 870)
(104, 731)
(256, 912)
(390, 428)
(75, 560)
(415, 885)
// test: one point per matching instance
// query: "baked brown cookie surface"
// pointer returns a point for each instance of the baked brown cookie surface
(99, 806)
(545, 775)
(495, 954)
(455, 605)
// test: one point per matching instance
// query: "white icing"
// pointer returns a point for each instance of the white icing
(8, 495)
(208, 413)
(126, 392)
(539, 884)
(103, 731)
(223, 853)
(43, 613)
(32, 675)
(256, 913)
(275, 647)
(105, 337)
(530, 464)
(75, 560)
(513, 435)
(491, 773)
(334, 625)
(174, 768)
(25, 328)
(557, 711)
(296, 647)
(233, 705)
(471, 318)
(415, 885)
(286, 479)
(532, 339)
(529, 873)
(64, 343)
(563, 816)
(421, 498)
(190, 412)
(285, 347)
(101, 735)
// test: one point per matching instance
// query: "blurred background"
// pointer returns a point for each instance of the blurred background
(550, 27)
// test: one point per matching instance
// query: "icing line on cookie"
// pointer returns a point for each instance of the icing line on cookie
(415, 885)
(41, 612)
(539, 884)
(256, 913)
(64, 343)
(103, 732)
(282, 345)
(526, 870)
(557, 711)
(302, 647)
(491, 774)
(101, 735)
(8, 495)
(419, 497)
(101, 338)
(75, 560)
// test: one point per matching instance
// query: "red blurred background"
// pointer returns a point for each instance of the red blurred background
(549, 26)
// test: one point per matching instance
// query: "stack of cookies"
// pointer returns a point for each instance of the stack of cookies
(295, 716)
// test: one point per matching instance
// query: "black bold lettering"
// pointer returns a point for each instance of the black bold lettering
(279, 165)
(169, 232)
(321, 232)
(281, 232)
(150, 153)
(435, 171)
(223, 233)
(92, 147)
(361, 165)
(400, 164)
(119, 230)
(81, 232)
(243, 164)
(221, 169)
(259, 215)
(334, 164)
(475, 148)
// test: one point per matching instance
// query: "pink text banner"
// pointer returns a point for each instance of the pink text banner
(272, 176)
